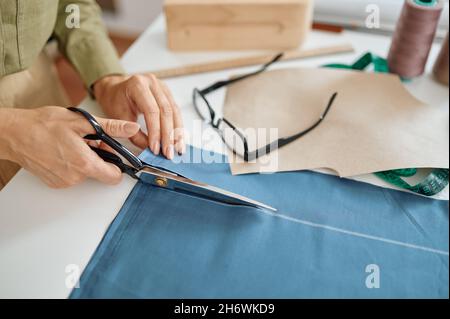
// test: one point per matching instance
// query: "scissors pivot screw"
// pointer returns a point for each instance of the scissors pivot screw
(161, 182)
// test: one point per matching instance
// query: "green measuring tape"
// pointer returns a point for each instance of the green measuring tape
(380, 65)
(438, 179)
(433, 184)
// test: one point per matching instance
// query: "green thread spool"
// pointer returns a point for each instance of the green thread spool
(426, 3)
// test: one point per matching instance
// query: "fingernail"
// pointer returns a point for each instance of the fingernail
(131, 128)
(156, 148)
(169, 152)
(177, 148)
(181, 148)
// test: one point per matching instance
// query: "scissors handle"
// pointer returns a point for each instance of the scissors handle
(116, 160)
(101, 135)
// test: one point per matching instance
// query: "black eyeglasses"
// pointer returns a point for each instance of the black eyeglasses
(233, 137)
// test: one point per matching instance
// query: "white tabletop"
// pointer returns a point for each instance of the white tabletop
(45, 233)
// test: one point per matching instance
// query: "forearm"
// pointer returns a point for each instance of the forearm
(7, 123)
(88, 47)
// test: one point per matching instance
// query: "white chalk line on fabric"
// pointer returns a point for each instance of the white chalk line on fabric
(357, 234)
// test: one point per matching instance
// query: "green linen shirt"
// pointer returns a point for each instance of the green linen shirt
(27, 25)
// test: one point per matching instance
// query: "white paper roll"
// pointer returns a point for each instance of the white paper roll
(353, 13)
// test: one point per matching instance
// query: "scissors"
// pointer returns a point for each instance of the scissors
(159, 176)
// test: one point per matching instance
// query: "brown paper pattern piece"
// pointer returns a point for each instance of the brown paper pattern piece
(374, 125)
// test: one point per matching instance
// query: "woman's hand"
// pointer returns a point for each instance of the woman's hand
(49, 142)
(125, 97)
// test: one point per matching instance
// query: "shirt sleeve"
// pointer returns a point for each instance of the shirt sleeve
(86, 45)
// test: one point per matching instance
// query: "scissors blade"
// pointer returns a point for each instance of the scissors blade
(179, 183)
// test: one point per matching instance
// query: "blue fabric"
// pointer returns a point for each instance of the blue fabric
(327, 230)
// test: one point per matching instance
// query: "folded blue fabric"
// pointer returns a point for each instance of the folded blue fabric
(331, 238)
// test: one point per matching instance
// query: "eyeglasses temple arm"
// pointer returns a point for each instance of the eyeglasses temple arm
(221, 84)
(250, 156)
(290, 139)
(330, 104)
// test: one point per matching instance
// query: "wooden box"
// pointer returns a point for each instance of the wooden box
(194, 25)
